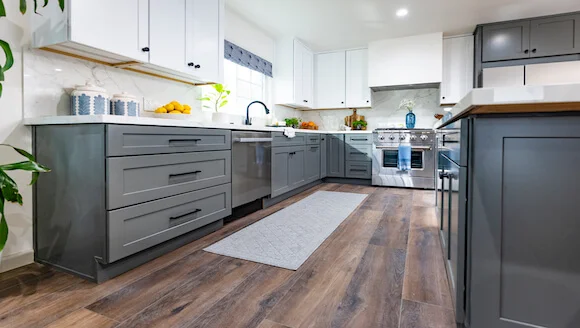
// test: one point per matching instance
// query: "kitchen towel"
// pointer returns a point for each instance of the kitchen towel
(289, 133)
(404, 162)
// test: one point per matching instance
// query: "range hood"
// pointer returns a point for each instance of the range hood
(414, 62)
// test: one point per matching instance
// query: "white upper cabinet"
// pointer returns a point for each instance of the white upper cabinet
(204, 37)
(294, 74)
(122, 30)
(457, 69)
(358, 93)
(406, 61)
(167, 34)
(330, 80)
(154, 36)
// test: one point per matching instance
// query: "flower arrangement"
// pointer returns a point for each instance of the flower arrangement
(407, 104)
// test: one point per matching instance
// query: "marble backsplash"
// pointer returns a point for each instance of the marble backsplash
(385, 112)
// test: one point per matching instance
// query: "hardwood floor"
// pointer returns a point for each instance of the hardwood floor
(382, 267)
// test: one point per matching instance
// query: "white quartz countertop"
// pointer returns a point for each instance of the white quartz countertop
(525, 99)
(112, 119)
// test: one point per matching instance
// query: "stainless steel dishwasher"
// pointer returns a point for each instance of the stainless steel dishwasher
(251, 166)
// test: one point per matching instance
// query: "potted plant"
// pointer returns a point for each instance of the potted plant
(292, 122)
(217, 98)
(359, 125)
(9, 190)
(410, 119)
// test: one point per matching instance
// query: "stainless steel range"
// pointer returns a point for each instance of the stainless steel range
(386, 156)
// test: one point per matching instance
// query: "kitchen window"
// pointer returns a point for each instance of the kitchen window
(246, 85)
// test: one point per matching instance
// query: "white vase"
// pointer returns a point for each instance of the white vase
(218, 117)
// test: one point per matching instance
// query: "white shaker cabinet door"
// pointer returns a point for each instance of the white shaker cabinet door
(167, 34)
(204, 39)
(358, 93)
(330, 80)
(457, 68)
(119, 27)
(308, 77)
(299, 97)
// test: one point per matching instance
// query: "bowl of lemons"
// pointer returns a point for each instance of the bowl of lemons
(174, 110)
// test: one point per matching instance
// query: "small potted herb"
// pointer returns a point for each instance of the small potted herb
(292, 122)
(359, 125)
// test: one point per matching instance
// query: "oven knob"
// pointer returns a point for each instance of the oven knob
(381, 138)
(402, 137)
(391, 137)
(424, 137)
(413, 138)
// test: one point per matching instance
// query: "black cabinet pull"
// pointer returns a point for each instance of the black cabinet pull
(146, 49)
(443, 175)
(534, 50)
(305, 101)
(183, 142)
(197, 210)
(292, 153)
(182, 174)
(368, 101)
(197, 66)
(190, 64)
(443, 97)
(526, 51)
(357, 170)
(359, 139)
(342, 102)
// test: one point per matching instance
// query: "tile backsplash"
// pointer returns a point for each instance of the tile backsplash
(385, 111)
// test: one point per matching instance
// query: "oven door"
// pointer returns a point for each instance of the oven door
(421, 174)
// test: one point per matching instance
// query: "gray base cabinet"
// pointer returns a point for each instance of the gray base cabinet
(323, 156)
(120, 195)
(335, 155)
(288, 169)
(525, 222)
(312, 163)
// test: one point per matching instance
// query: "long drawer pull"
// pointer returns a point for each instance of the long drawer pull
(358, 170)
(197, 210)
(182, 174)
(292, 153)
(358, 153)
(359, 139)
(183, 142)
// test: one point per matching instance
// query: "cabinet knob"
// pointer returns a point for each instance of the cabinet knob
(526, 51)
(197, 66)
(534, 50)
(342, 102)
(146, 49)
(305, 101)
(368, 101)
(190, 64)
(443, 97)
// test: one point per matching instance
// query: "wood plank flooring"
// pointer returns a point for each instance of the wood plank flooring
(382, 267)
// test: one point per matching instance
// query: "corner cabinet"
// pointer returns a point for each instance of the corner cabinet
(179, 39)
(294, 71)
(457, 69)
(341, 79)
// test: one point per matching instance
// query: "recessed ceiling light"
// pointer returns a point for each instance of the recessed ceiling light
(58, 70)
(402, 12)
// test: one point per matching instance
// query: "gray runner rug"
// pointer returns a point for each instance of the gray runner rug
(288, 237)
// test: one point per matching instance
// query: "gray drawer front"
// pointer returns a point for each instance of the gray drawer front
(359, 139)
(139, 179)
(124, 140)
(312, 139)
(359, 153)
(360, 170)
(135, 228)
(280, 140)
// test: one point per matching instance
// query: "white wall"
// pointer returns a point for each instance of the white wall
(248, 36)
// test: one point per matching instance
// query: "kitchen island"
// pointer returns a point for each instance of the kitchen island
(508, 167)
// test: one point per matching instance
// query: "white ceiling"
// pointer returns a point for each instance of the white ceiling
(338, 24)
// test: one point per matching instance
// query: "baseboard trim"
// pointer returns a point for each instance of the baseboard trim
(13, 261)
(359, 182)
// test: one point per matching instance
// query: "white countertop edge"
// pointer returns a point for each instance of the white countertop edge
(112, 119)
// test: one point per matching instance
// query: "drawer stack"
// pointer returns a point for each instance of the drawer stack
(163, 182)
(358, 156)
(120, 195)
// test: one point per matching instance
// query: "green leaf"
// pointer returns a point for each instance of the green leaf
(205, 99)
(228, 92)
(206, 106)
(45, 3)
(21, 152)
(0, 90)
(3, 225)
(25, 166)
(225, 102)
(61, 4)
(35, 6)
(1, 74)
(9, 57)
(23, 6)
(2, 9)
(218, 87)
(9, 189)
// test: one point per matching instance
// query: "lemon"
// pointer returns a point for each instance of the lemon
(175, 102)
(187, 111)
(169, 107)
(161, 110)
(187, 107)
(175, 112)
(178, 107)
